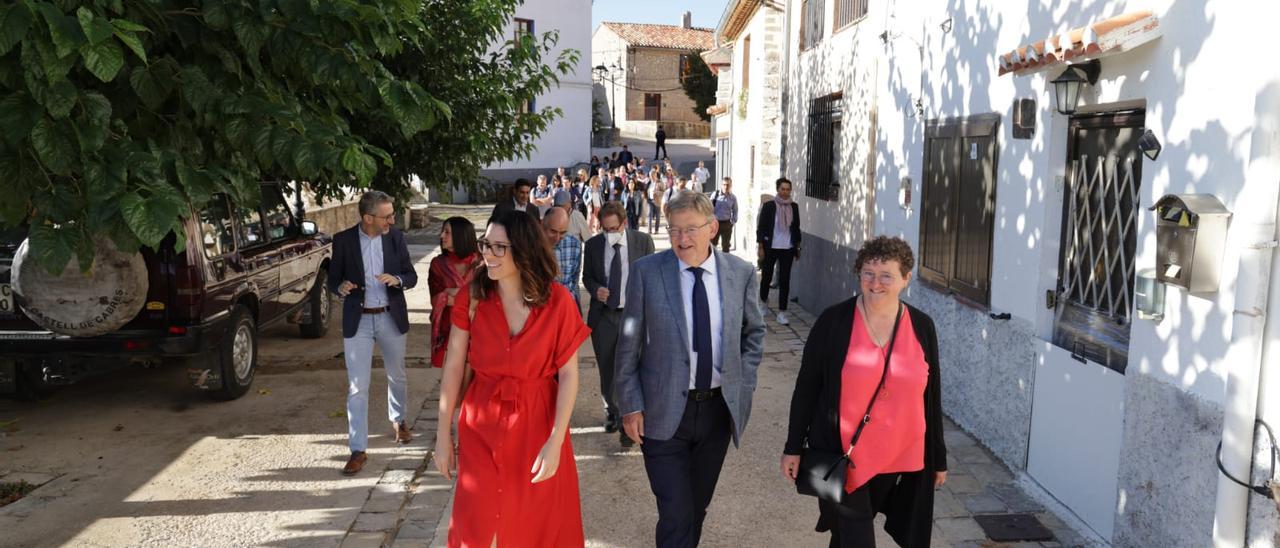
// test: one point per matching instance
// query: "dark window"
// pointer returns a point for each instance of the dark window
(685, 65)
(653, 106)
(529, 106)
(279, 218)
(249, 222)
(746, 62)
(1099, 238)
(523, 27)
(849, 11)
(958, 206)
(812, 22)
(824, 120)
(215, 228)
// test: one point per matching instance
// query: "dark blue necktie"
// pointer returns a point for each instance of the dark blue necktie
(701, 330)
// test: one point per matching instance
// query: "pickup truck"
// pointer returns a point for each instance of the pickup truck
(243, 268)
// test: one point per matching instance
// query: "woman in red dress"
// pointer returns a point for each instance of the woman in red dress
(450, 271)
(517, 482)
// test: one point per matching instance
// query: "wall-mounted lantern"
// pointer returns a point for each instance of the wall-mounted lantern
(1149, 145)
(1066, 87)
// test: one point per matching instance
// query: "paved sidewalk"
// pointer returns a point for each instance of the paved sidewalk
(754, 505)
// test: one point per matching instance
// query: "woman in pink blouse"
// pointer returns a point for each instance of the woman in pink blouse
(900, 457)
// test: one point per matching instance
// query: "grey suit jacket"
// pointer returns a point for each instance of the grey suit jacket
(652, 364)
(594, 273)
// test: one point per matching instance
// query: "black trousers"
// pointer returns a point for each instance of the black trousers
(783, 258)
(683, 471)
(662, 145)
(724, 235)
(852, 523)
(604, 341)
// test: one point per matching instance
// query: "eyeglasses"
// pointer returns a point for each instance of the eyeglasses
(884, 279)
(497, 250)
(682, 232)
(388, 217)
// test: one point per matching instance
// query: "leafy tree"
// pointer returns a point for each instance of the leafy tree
(116, 116)
(700, 85)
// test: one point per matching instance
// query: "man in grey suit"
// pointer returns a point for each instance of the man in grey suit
(607, 262)
(692, 338)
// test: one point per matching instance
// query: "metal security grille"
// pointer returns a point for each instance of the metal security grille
(820, 178)
(1099, 239)
(812, 22)
(848, 11)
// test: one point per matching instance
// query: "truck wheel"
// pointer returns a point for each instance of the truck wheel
(239, 355)
(319, 307)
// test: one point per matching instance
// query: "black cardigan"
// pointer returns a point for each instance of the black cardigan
(768, 216)
(815, 417)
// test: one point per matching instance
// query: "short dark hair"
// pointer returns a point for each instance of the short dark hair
(531, 252)
(778, 185)
(883, 249)
(613, 208)
(464, 236)
(372, 199)
(521, 182)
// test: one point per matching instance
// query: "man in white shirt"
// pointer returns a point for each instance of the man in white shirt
(691, 341)
(700, 178)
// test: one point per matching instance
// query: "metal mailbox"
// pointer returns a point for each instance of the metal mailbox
(1191, 231)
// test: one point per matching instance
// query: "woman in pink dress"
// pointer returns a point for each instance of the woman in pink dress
(449, 272)
(517, 482)
(900, 456)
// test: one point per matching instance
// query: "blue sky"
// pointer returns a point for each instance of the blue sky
(706, 13)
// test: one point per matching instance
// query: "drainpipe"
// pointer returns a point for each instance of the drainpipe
(1252, 335)
(786, 77)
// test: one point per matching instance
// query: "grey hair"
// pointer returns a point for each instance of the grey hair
(372, 199)
(690, 200)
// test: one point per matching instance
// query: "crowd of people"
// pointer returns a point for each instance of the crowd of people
(678, 337)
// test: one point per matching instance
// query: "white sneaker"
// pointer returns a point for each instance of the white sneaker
(782, 319)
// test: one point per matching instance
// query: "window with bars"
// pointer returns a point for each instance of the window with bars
(958, 206)
(1095, 293)
(850, 11)
(812, 22)
(821, 177)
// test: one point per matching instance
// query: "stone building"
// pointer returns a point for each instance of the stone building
(1020, 147)
(747, 116)
(641, 81)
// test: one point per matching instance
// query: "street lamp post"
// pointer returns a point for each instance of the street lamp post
(607, 73)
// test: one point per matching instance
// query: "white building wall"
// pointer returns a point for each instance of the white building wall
(567, 140)
(1200, 96)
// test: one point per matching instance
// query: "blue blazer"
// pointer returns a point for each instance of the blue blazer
(652, 363)
(348, 265)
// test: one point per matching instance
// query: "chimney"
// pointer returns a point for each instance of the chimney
(686, 20)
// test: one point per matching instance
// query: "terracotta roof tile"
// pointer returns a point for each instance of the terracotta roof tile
(663, 36)
(1107, 36)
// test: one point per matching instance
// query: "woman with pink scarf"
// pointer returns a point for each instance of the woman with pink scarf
(449, 271)
(778, 244)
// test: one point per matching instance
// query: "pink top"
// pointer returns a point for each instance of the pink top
(894, 439)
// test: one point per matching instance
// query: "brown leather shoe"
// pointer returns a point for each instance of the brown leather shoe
(355, 464)
(403, 435)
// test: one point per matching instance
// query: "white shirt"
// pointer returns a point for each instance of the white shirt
(701, 175)
(626, 267)
(781, 234)
(711, 280)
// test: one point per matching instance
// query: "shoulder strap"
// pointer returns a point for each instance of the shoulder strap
(866, 416)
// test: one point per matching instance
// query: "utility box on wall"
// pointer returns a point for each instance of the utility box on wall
(1191, 230)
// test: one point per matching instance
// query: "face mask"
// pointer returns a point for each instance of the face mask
(613, 238)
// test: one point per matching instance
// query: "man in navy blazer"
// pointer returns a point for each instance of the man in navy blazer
(691, 341)
(371, 270)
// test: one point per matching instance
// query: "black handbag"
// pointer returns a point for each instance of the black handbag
(822, 472)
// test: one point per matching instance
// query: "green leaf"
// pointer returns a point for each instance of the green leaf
(199, 186)
(18, 114)
(15, 21)
(304, 161)
(94, 124)
(126, 25)
(152, 218)
(237, 131)
(104, 60)
(101, 185)
(57, 98)
(63, 29)
(215, 15)
(54, 146)
(149, 90)
(50, 249)
(359, 164)
(15, 188)
(96, 29)
(131, 41)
